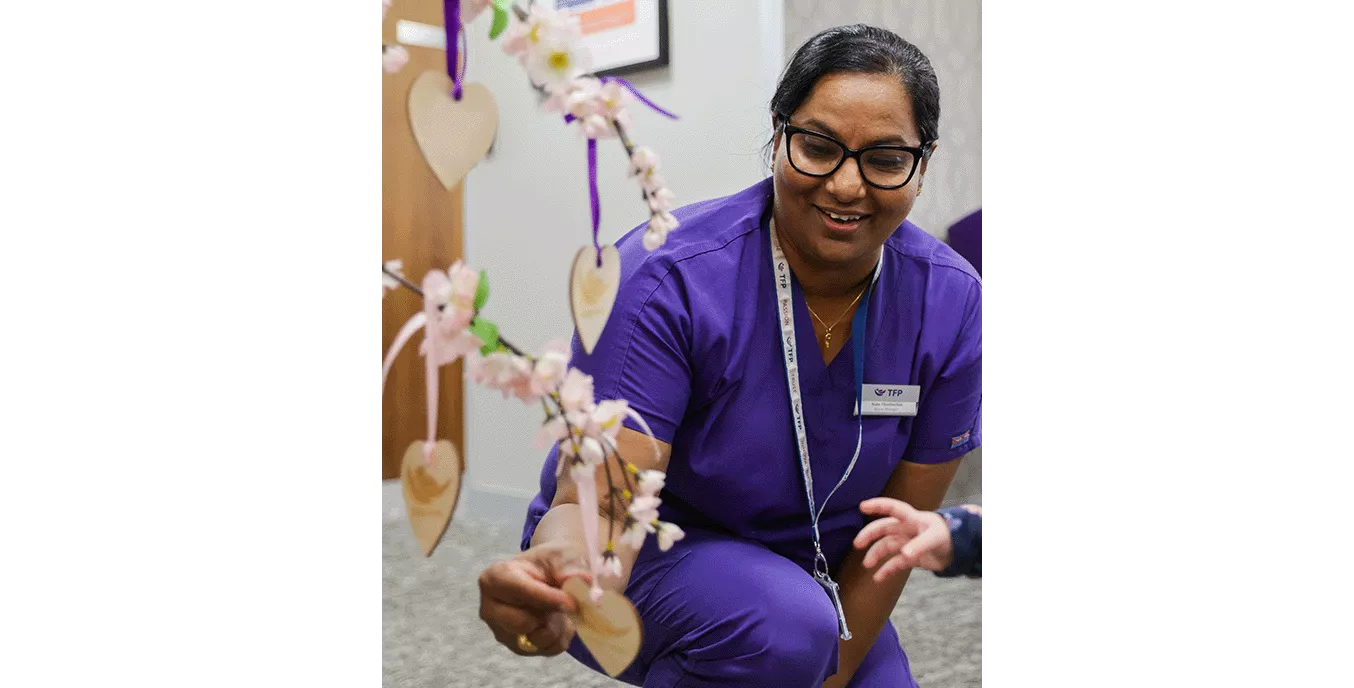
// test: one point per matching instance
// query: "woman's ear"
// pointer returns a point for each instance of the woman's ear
(921, 171)
(775, 138)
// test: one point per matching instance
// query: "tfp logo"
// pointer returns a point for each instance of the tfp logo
(880, 391)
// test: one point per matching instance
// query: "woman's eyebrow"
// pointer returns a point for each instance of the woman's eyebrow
(883, 141)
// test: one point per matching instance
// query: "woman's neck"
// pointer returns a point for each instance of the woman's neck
(823, 280)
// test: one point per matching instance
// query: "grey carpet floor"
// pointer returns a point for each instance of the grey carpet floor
(433, 636)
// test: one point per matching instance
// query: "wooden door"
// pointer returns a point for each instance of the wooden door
(421, 225)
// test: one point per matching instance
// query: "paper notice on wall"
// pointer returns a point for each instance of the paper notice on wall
(595, 16)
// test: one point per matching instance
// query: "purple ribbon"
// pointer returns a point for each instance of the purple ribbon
(592, 159)
(451, 13)
(638, 96)
(596, 201)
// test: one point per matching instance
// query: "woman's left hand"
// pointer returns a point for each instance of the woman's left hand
(906, 538)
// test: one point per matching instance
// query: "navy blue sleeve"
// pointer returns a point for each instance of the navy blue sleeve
(966, 536)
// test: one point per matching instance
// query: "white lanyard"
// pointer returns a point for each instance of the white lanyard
(785, 302)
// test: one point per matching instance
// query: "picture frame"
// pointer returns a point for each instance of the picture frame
(625, 36)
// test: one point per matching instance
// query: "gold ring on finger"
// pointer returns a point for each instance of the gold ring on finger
(524, 643)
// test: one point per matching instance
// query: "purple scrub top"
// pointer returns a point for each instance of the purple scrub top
(693, 343)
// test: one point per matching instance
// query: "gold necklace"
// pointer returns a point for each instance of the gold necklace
(827, 329)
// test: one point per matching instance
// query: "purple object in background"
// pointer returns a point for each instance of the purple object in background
(966, 238)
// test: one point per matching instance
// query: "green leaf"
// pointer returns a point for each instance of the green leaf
(482, 291)
(487, 332)
(501, 10)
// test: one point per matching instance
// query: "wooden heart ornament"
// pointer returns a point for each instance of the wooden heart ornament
(592, 292)
(452, 135)
(430, 492)
(610, 629)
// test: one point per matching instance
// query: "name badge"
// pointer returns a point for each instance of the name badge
(889, 400)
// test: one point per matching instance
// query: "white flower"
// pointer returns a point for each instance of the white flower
(611, 564)
(660, 200)
(581, 471)
(643, 161)
(596, 127)
(644, 508)
(650, 483)
(663, 222)
(590, 450)
(659, 225)
(668, 533)
(579, 97)
(557, 61)
(605, 420)
(644, 167)
(387, 282)
(654, 240)
(635, 532)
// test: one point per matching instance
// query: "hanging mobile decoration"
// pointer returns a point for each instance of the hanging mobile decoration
(454, 125)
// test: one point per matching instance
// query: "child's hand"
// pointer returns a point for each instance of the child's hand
(905, 539)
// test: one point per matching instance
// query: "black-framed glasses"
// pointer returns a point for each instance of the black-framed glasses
(820, 155)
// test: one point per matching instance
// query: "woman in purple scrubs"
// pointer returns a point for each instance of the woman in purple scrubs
(747, 342)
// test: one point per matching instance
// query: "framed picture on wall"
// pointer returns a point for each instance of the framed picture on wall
(624, 35)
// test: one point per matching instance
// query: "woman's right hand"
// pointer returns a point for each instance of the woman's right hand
(521, 598)
(905, 538)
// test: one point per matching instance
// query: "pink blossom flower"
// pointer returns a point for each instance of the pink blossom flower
(551, 367)
(446, 350)
(579, 96)
(644, 166)
(596, 127)
(613, 100)
(446, 338)
(552, 430)
(576, 391)
(508, 373)
(470, 9)
(393, 58)
(525, 38)
(454, 292)
(385, 7)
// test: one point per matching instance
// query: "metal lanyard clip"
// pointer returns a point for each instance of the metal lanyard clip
(833, 591)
